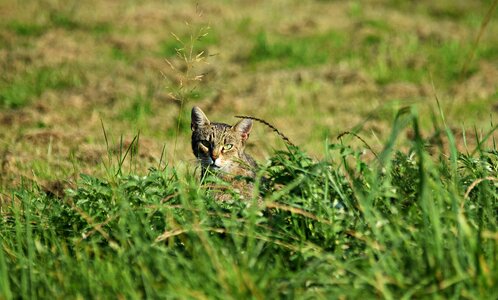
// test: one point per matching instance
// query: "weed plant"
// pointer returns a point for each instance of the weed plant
(408, 224)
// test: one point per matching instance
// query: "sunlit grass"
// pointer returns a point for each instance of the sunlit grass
(405, 225)
(99, 196)
(21, 89)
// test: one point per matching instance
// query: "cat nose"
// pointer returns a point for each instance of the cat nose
(215, 155)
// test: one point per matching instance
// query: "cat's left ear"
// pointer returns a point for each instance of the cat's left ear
(198, 118)
(243, 127)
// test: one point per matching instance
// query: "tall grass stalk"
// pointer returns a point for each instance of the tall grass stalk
(189, 57)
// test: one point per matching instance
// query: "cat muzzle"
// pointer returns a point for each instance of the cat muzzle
(216, 164)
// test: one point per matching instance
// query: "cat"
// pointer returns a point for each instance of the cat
(220, 147)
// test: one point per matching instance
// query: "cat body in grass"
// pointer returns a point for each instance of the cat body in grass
(219, 147)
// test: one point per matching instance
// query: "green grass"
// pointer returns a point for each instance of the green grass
(294, 52)
(56, 20)
(63, 20)
(394, 58)
(404, 215)
(385, 55)
(21, 89)
(27, 29)
(408, 225)
(119, 54)
(139, 109)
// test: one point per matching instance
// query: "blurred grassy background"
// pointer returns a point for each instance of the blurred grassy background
(314, 69)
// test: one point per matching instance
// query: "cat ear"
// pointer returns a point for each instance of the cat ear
(199, 119)
(243, 127)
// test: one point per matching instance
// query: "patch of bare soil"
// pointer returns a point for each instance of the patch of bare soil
(43, 136)
(13, 118)
(91, 154)
(403, 90)
(56, 188)
(350, 82)
(57, 46)
(482, 85)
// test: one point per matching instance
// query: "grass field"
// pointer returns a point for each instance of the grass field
(99, 196)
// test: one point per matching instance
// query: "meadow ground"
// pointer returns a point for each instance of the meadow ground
(314, 69)
(405, 205)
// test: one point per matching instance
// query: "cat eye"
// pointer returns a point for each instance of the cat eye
(228, 147)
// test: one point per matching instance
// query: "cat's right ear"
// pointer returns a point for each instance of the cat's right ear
(243, 127)
(199, 119)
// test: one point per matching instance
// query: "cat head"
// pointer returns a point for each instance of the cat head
(219, 146)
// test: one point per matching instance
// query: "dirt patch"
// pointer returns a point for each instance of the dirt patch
(402, 90)
(91, 154)
(10, 118)
(57, 47)
(346, 76)
(43, 136)
(55, 188)
(482, 85)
